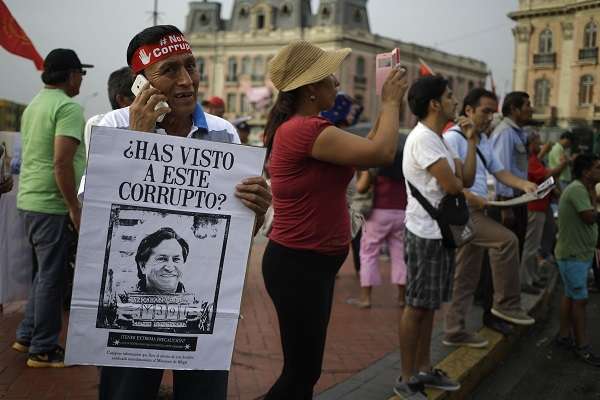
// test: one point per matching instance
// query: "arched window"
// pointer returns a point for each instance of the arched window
(545, 45)
(201, 68)
(470, 85)
(586, 90)
(246, 66)
(541, 97)
(231, 69)
(258, 70)
(450, 82)
(260, 21)
(360, 66)
(589, 35)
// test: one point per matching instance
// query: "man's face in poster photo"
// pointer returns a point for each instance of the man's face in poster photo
(163, 268)
(160, 259)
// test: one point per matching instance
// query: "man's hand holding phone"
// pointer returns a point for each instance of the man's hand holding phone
(146, 109)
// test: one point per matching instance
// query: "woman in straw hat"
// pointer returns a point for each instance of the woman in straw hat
(311, 164)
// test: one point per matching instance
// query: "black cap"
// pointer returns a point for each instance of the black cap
(63, 60)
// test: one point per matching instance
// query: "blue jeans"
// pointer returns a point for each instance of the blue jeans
(42, 322)
(118, 383)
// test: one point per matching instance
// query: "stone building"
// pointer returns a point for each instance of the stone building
(556, 60)
(234, 53)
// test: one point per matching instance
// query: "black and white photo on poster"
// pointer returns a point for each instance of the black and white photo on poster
(162, 270)
(163, 249)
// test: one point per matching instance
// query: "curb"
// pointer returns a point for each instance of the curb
(470, 366)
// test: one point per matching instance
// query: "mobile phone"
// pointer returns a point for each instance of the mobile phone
(136, 88)
(384, 62)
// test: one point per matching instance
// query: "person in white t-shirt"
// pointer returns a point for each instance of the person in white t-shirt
(435, 171)
(119, 95)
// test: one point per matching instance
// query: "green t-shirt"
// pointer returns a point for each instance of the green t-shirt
(50, 113)
(576, 239)
(556, 153)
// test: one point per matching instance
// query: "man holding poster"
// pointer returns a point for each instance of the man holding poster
(163, 56)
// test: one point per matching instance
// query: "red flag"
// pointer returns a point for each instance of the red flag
(424, 69)
(15, 40)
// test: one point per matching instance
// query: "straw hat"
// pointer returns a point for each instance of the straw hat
(301, 63)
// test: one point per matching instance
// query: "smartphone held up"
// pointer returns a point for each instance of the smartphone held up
(136, 88)
(384, 63)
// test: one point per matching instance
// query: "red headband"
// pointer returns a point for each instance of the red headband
(152, 53)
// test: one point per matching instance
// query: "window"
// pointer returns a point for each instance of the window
(541, 97)
(286, 9)
(201, 68)
(545, 45)
(589, 35)
(357, 16)
(258, 70)
(246, 66)
(586, 90)
(360, 66)
(231, 102)
(260, 21)
(471, 85)
(325, 13)
(203, 19)
(244, 106)
(451, 82)
(231, 69)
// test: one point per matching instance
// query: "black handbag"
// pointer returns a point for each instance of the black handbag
(452, 216)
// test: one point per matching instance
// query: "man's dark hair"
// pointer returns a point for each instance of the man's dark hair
(513, 100)
(154, 239)
(473, 98)
(422, 91)
(120, 82)
(55, 77)
(570, 136)
(582, 163)
(149, 35)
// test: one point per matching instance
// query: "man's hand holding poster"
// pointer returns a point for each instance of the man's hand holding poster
(162, 252)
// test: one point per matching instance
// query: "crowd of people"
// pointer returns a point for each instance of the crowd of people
(415, 182)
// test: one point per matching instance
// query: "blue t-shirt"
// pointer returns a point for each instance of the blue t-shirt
(459, 144)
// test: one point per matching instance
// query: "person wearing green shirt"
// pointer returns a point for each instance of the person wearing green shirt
(558, 154)
(53, 160)
(577, 237)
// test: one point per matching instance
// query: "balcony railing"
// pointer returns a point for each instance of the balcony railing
(544, 59)
(590, 54)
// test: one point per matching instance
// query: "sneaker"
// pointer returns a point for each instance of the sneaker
(498, 325)
(51, 359)
(466, 339)
(438, 379)
(410, 391)
(21, 346)
(518, 317)
(564, 342)
(586, 354)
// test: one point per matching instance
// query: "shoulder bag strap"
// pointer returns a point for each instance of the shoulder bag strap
(431, 210)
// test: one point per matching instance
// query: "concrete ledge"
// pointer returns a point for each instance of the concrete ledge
(470, 366)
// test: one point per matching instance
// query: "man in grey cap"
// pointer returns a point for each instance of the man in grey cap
(53, 160)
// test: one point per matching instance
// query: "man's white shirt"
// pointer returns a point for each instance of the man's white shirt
(423, 148)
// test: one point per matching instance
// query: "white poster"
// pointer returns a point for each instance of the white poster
(162, 254)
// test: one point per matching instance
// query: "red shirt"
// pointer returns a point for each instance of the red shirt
(309, 196)
(390, 194)
(536, 173)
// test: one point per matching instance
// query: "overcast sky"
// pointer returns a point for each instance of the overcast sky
(99, 31)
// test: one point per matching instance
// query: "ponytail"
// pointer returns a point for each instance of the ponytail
(283, 109)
